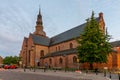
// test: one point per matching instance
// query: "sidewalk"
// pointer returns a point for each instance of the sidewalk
(76, 75)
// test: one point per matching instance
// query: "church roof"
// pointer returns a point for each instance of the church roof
(65, 36)
(115, 43)
(68, 35)
(40, 40)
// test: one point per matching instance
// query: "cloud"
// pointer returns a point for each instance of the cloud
(15, 23)
(10, 45)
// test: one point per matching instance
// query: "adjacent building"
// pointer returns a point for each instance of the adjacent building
(1, 60)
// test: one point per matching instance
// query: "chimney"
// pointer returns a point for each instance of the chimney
(101, 21)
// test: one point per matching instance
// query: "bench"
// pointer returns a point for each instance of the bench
(41, 67)
(57, 68)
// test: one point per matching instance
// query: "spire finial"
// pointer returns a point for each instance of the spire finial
(39, 10)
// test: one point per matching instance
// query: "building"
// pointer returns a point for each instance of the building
(60, 50)
(1, 60)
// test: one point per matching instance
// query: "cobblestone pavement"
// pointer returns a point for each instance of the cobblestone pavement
(75, 75)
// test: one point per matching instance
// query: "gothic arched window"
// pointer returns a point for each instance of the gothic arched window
(41, 53)
(60, 61)
(71, 45)
(74, 59)
(56, 48)
(59, 48)
(50, 61)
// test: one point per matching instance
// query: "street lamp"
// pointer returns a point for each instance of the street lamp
(24, 67)
(78, 61)
(65, 61)
(105, 71)
(34, 51)
(26, 55)
(20, 63)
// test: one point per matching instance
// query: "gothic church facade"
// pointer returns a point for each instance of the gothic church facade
(60, 50)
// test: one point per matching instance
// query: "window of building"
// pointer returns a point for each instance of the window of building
(60, 61)
(41, 53)
(38, 63)
(71, 45)
(74, 59)
(50, 61)
(29, 56)
(59, 48)
(56, 48)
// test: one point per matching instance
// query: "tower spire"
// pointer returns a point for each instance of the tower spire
(39, 10)
(39, 26)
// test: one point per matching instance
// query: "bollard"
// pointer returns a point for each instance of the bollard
(119, 76)
(104, 73)
(24, 66)
(65, 69)
(44, 69)
(30, 68)
(86, 71)
(34, 69)
(24, 69)
(110, 75)
(55, 70)
(96, 71)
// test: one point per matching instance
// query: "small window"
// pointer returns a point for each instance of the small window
(56, 48)
(41, 53)
(74, 59)
(59, 48)
(60, 61)
(71, 45)
(29, 56)
(50, 61)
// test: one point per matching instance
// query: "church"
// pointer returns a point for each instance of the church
(60, 51)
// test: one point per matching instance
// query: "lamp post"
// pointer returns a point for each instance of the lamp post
(119, 76)
(105, 71)
(65, 61)
(78, 61)
(26, 55)
(20, 63)
(34, 51)
(24, 67)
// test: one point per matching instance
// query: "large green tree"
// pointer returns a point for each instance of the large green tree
(11, 60)
(94, 46)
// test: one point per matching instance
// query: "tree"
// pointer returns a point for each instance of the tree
(11, 60)
(94, 46)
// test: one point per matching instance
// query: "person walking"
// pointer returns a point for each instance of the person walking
(46, 66)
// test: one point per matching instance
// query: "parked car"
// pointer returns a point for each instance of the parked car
(13, 66)
(6, 66)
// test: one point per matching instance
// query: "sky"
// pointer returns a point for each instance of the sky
(18, 19)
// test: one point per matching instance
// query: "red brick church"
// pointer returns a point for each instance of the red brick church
(60, 50)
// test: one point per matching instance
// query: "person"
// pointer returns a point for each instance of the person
(46, 66)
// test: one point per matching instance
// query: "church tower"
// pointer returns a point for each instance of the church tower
(39, 26)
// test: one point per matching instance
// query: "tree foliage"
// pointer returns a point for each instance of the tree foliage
(94, 46)
(11, 60)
